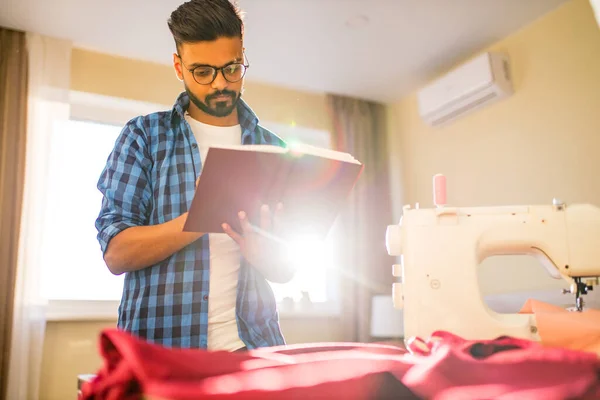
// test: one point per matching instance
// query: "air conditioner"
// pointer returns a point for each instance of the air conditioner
(596, 8)
(472, 86)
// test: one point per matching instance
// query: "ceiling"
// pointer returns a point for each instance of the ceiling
(314, 45)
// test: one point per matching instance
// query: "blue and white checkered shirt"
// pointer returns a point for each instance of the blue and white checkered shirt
(149, 179)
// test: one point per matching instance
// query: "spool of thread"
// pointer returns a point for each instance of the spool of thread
(439, 190)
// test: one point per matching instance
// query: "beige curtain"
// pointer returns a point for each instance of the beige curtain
(48, 80)
(366, 269)
(13, 132)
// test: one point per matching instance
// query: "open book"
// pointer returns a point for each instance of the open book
(312, 183)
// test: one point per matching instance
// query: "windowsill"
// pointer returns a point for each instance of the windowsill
(82, 310)
(107, 310)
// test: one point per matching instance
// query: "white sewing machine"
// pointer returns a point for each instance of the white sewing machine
(442, 247)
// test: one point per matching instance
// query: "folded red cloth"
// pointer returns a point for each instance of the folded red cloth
(443, 367)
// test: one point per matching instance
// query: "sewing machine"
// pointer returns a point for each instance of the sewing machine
(442, 247)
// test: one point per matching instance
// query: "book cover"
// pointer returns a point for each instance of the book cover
(311, 183)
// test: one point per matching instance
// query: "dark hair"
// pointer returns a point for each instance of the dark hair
(205, 20)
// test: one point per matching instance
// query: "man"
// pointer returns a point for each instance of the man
(187, 289)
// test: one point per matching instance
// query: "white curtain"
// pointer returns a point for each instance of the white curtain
(48, 95)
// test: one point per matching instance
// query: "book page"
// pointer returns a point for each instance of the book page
(293, 148)
(265, 148)
(322, 152)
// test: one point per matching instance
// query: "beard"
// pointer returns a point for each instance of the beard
(215, 108)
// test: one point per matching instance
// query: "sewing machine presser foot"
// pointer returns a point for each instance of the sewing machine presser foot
(580, 289)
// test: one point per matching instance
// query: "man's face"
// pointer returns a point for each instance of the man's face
(218, 98)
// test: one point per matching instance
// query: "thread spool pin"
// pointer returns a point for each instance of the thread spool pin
(439, 190)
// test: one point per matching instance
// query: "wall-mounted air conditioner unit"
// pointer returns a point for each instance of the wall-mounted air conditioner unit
(473, 85)
(596, 7)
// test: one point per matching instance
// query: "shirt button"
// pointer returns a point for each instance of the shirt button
(205, 298)
(194, 145)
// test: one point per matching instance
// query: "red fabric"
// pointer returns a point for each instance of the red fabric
(442, 368)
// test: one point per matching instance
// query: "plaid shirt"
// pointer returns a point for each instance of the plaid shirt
(150, 179)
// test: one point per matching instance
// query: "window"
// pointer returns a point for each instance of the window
(315, 261)
(73, 266)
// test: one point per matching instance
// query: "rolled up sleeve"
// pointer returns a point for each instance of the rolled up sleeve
(125, 185)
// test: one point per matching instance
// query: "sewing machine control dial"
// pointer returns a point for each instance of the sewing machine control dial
(393, 240)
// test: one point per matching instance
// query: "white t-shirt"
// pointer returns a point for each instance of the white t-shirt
(224, 253)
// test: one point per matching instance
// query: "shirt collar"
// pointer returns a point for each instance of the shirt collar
(247, 118)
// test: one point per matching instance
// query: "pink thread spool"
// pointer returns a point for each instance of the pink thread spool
(439, 190)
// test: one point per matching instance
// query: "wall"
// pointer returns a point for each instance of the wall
(71, 347)
(543, 142)
(138, 80)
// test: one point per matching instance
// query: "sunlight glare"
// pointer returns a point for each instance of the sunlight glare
(313, 260)
(308, 252)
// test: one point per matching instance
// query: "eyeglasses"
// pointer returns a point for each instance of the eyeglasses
(206, 74)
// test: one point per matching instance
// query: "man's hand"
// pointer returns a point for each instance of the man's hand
(262, 247)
